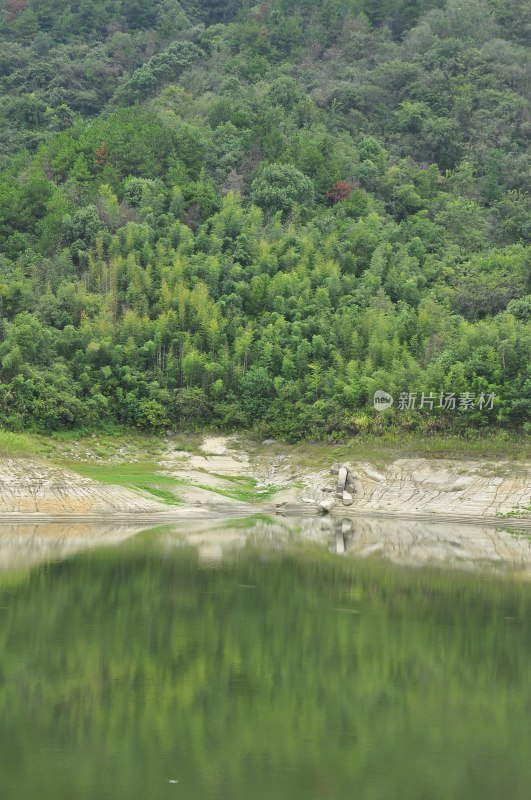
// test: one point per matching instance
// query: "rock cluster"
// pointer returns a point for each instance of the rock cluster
(346, 487)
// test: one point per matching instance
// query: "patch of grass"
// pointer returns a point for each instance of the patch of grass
(381, 450)
(518, 512)
(116, 445)
(132, 476)
(239, 479)
(244, 493)
(125, 474)
(164, 495)
(18, 444)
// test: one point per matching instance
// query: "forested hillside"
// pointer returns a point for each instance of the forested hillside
(258, 215)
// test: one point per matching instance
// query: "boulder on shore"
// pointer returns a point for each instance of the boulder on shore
(342, 479)
(348, 499)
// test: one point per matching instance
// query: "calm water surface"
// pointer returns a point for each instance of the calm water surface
(155, 669)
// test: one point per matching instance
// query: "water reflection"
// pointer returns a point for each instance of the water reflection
(26, 545)
(277, 672)
(401, 542)
(404, 542)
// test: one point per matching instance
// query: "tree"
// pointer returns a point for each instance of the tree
(278, 187)
(257, 392)
(341, 191)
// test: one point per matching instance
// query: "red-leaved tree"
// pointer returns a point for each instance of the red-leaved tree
(340, 191)
(101, 154)
(14, 7)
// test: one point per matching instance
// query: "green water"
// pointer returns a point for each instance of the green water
(276, 675)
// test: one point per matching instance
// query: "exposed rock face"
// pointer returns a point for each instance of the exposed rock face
(373, 475)
(218, 458)
(27, 487)
(448, 487)
(432, 487)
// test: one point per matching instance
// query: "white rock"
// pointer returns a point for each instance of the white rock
(374, 476)
(308, 501)
(342, 479)
(334, 469)
(327, 505)
(348, 499)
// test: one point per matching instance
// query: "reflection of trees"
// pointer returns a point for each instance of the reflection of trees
(278, 676)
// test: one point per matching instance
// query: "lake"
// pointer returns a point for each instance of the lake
(265, 660)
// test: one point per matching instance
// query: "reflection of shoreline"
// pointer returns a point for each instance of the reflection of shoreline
(214, 512)
(418, 544)
(399, 541)
(431, 518)
(24, 546)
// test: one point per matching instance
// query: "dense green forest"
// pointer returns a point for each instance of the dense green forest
(258, 215)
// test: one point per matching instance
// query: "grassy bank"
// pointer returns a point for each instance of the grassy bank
(107, 446)
(123, 456)
(147, 447)
(18, 444)
(380, 450)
